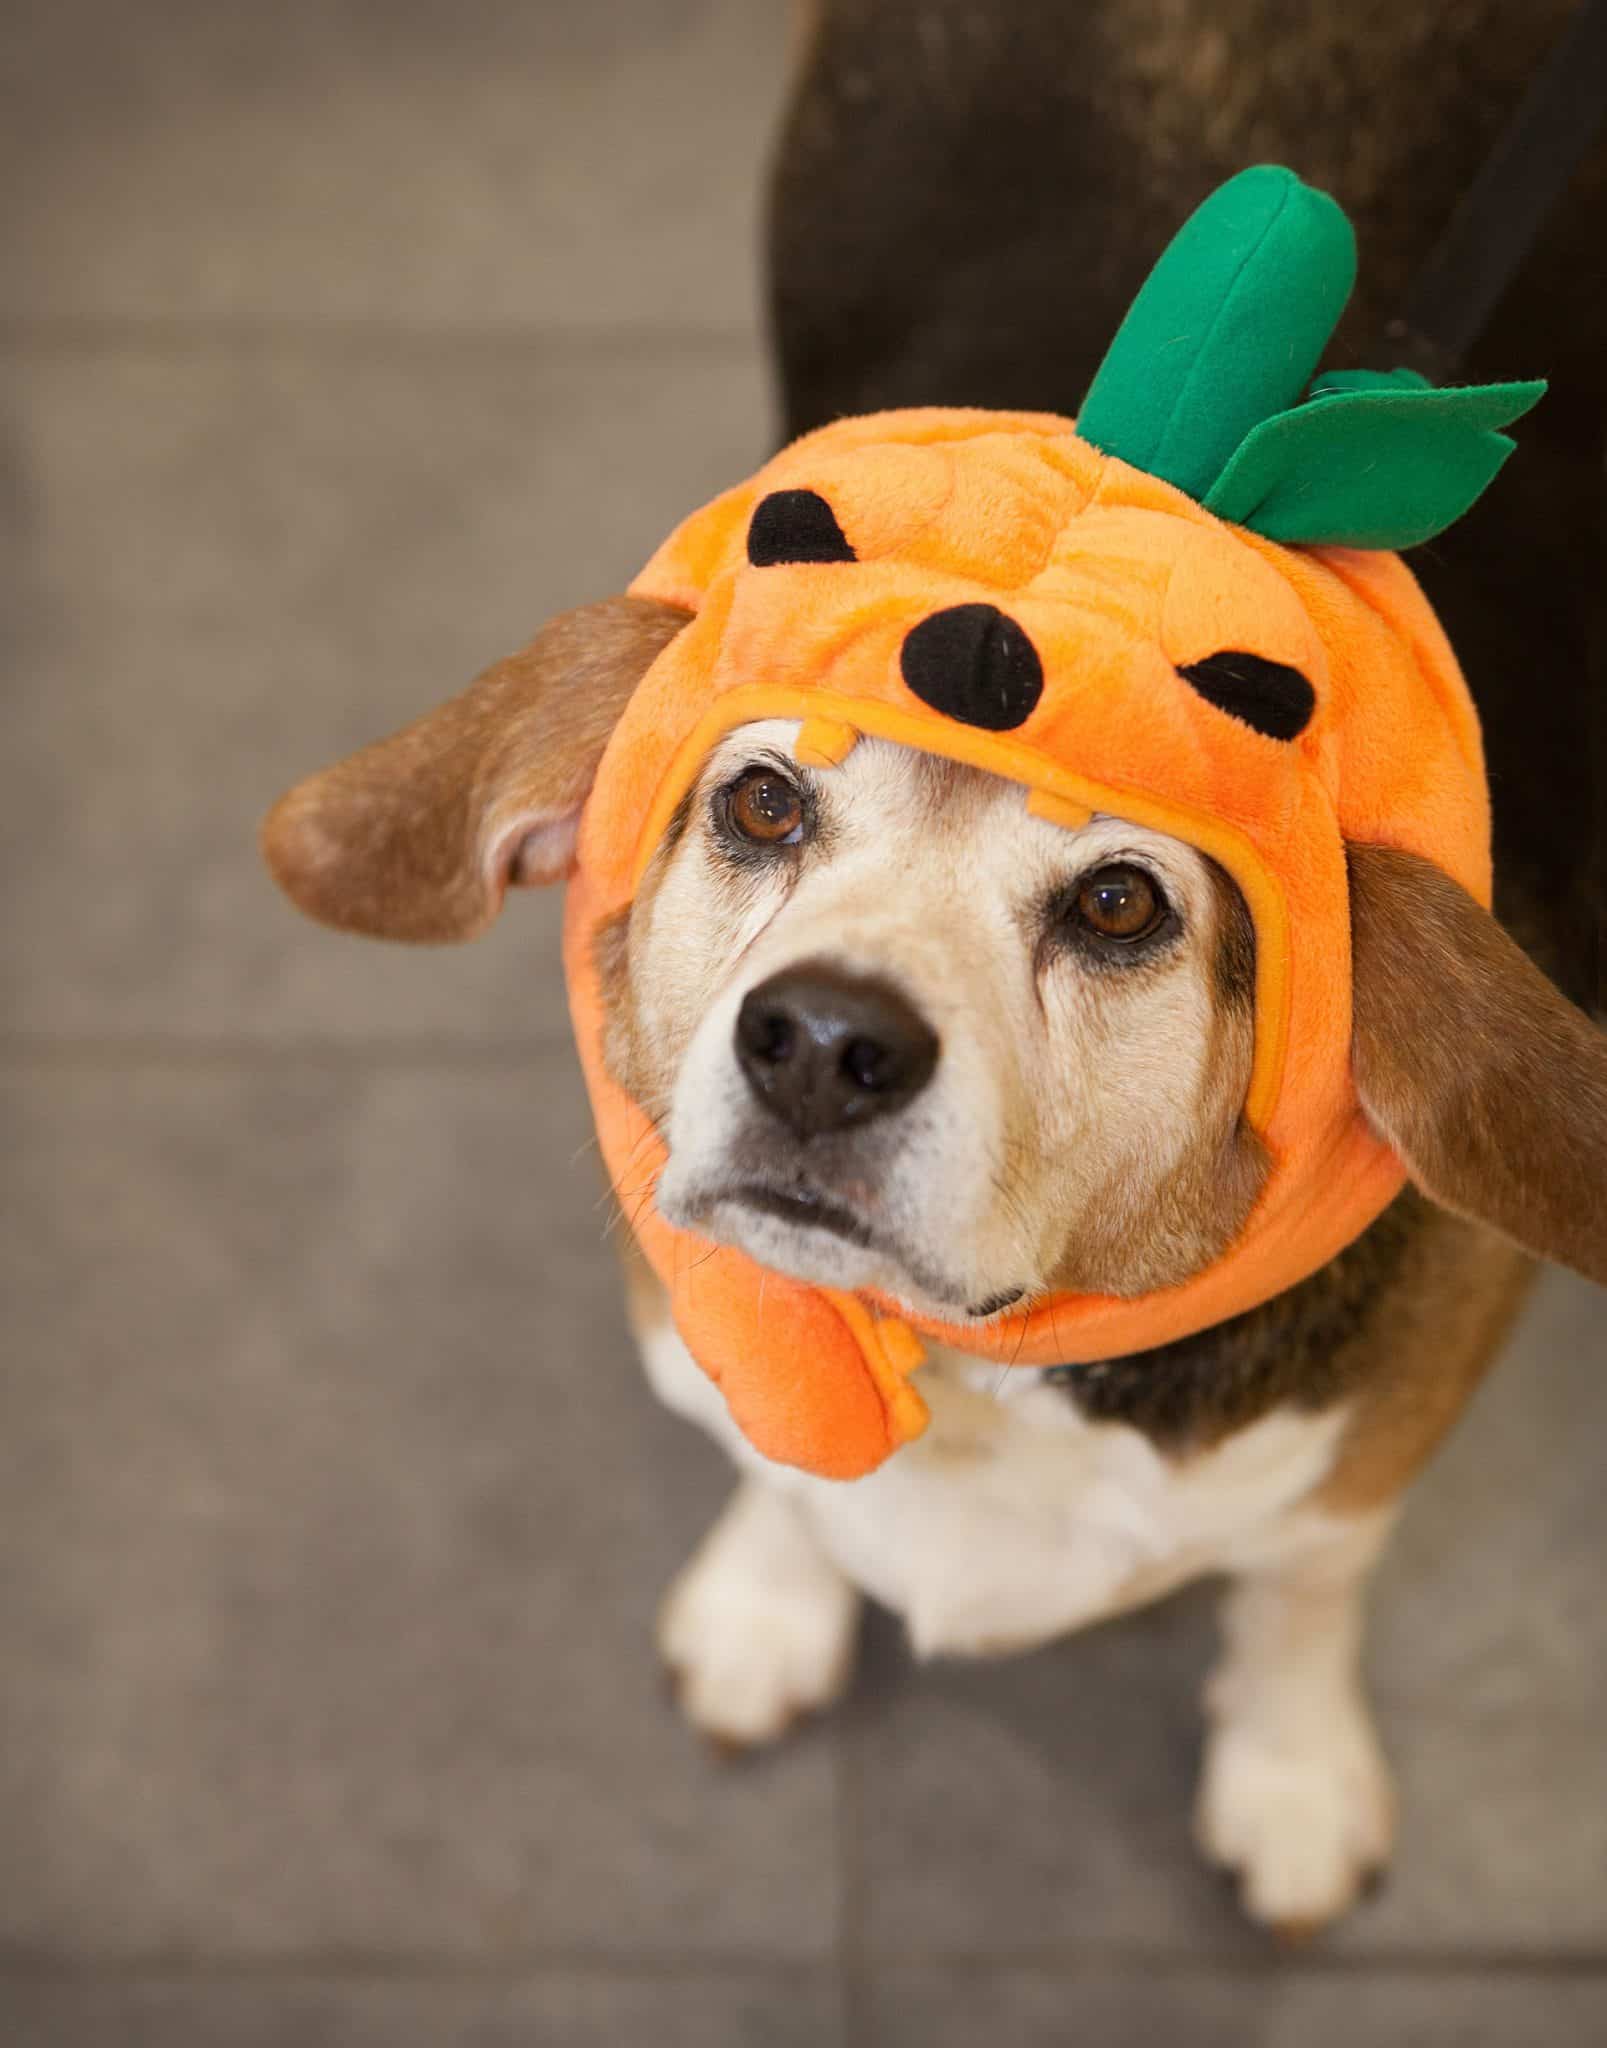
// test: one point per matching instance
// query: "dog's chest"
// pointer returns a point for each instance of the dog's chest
(1014, 1518)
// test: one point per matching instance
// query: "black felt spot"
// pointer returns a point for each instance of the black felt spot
(795, 526)
(1268, 695)
(972, 663)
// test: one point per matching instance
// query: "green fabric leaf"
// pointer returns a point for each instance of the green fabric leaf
(1327, 382)
(1226, 330)
(1202, 385)
(1371, 460)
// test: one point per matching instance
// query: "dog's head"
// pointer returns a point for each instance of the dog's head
(898, 1010)
(903, 1035)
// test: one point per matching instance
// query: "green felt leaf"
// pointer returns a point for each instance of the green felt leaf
(1327, 382)
(1371, 460)
(1226, 330)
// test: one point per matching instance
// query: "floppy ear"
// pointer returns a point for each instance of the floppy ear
(418, 836)
(1490, 1085)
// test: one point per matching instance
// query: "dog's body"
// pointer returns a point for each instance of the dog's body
(966, 196)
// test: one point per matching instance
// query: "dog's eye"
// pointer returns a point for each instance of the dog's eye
(1119, 902)
(763, 806)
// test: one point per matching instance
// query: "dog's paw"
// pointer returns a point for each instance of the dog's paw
(760, 1627)
(1304, 1816)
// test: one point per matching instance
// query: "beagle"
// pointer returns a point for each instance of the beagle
(1022, 1068)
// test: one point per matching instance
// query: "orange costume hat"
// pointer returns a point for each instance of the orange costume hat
(1179, 610)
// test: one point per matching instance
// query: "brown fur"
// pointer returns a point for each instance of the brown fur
(1139, 1237)
(1086, 135)
(1490, 1085)
(611, 956)
(1442, 1326)
(417, 836)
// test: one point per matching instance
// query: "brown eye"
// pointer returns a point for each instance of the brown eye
(765, 807)
(1120, 902)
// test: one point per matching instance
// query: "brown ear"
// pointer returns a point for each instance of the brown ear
(1490, 1085)
(417, 836)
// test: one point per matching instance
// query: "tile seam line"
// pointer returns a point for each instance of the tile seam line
(854, 2016)
(80, 1054)
(364, 338)
(1119, 1960)
(1115, 1961)
(380, 1968)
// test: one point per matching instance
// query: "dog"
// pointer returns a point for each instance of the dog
(963, 201)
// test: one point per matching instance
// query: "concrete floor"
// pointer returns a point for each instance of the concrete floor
(343, 343)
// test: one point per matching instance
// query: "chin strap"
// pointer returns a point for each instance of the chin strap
(1489, 237)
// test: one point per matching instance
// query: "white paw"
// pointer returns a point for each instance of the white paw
(1304, 1813)
(760, 1627)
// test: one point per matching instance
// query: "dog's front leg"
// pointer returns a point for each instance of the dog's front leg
(760, 1627)
(1295, 1795)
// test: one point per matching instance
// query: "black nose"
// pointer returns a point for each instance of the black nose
(972, 663)
(824, 1050)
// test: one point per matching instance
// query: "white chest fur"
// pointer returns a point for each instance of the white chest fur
(1013, 1519)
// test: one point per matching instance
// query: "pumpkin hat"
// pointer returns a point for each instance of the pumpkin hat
(1185, 610)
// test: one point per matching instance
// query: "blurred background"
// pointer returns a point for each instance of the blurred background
(343, 343)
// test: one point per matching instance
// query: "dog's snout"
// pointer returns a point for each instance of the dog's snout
(824, 1050)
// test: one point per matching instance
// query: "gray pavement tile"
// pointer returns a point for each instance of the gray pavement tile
(335, 1513)
(1489, 1654)
(1023, 1806)
(1278, 2008)
(557, 2009)
(1019, 1805)
(481, 163)
(228, 568)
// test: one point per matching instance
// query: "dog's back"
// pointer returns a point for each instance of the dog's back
(966, 198)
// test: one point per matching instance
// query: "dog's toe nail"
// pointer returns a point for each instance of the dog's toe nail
(1374, 1881)
(1295, 1934)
